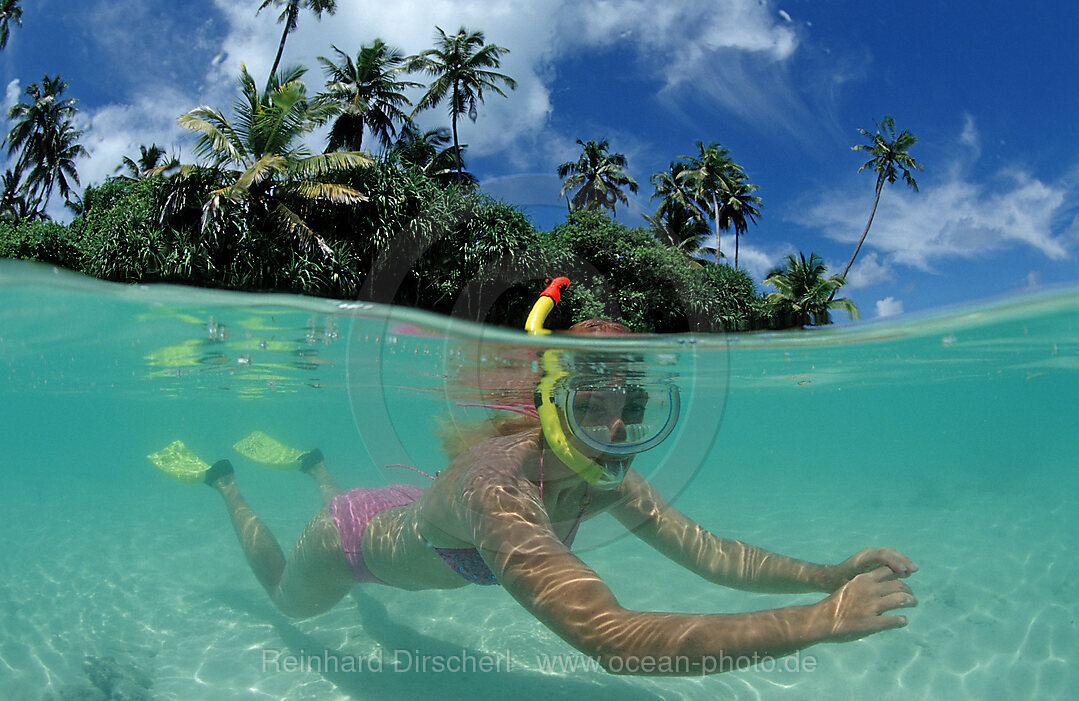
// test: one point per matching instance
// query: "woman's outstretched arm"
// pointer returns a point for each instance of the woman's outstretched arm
(733, 563)
(513, 536)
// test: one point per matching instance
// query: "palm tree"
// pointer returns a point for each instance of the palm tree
(46, 141)
(888, 157)
(430, 153)
(463, 66)
(56, 164)
(679, 229)
(707, 179)
(290, 17)
(264, 144)
(738, 204)
(805, 293)
(13, 203)
(10, 12)
(369, 93)
(677, 220)
(149, 158)
(599, 175)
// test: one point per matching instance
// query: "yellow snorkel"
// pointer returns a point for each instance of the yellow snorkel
(554, 372)
(543, 306)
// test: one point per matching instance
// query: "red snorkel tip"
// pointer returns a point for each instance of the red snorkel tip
(554, 289)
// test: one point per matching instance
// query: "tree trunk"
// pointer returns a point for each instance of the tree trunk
(736, 239)
(456, 144)
(277, 59)
(715, 213)
(872, 213)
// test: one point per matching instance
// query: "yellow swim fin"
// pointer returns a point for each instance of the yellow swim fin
(176, 460)
(260, 448)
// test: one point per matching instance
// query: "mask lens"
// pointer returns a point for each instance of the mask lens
(622, 420)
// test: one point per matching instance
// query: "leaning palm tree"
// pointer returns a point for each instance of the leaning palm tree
(290, 17)
(45, 140)
(463, 66)
(888, 157)
(263, 144)
(369, 94)
(10, 13)
(707, 177)
(599, 177)
(805, 293)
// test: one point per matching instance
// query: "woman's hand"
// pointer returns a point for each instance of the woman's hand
(869, 559)
(858, 608)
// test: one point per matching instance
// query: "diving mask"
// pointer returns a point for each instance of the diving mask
(619, 420)
(611, 419)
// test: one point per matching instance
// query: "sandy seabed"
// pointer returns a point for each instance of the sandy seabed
(162, 606)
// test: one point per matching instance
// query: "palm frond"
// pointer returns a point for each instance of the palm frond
(329, 192)
(293, 225)
(322, 164)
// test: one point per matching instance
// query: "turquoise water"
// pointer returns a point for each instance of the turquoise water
(950, 436)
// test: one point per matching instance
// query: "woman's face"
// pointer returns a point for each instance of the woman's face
(602, 414)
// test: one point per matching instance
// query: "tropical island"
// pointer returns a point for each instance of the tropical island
(397, 217)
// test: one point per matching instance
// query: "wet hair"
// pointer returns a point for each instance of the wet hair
(599, 327)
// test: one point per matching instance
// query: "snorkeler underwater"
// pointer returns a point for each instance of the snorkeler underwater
(506, 509)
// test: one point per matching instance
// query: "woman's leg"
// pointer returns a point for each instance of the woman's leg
(316, 574)
(313, 465)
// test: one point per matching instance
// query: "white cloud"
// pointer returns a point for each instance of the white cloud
(969, 135)
(115, 131)
(758, 262)
(889, 306)
(868, 270)
(956, 218)
(12, 94)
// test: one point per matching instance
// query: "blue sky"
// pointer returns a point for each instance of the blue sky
(989, 89)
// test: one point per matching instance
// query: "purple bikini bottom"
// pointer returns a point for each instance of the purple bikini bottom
(354, 509)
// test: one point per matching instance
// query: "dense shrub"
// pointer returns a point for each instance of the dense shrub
(47, 242)
(626, 273)
(413, 242)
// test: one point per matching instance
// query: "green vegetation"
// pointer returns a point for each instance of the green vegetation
(278, 179)
(804, 295)
(627, 273)
(261, 212)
